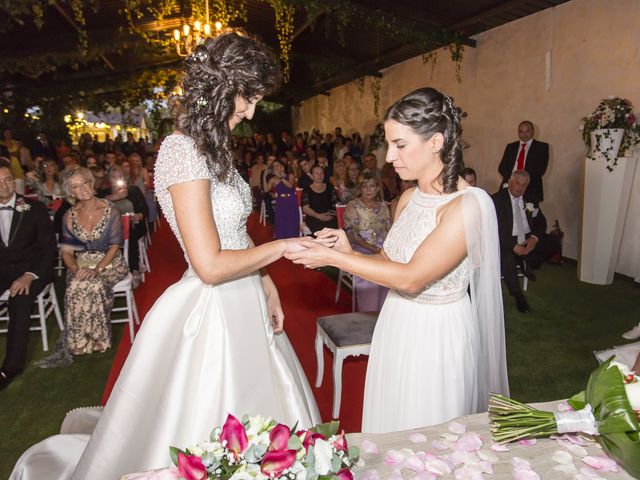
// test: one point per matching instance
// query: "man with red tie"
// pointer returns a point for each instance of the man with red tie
(526, 154)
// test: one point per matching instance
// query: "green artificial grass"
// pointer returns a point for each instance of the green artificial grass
(550, 355)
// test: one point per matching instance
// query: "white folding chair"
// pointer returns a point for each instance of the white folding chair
(144, 266)
(124, 288)
(344, 278)
(46, 302)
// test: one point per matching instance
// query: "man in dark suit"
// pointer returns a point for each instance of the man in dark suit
(526, 154)
(28, 253)
(522, 230)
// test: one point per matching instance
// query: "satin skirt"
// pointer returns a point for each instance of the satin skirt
(202, 352)
(422, 366)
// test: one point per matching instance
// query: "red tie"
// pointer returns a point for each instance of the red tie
(520, 164)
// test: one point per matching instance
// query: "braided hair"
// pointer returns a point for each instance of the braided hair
(427, 112)
(218, 70)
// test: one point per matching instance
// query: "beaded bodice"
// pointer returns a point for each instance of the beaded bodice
(179, 162)
(415, 223)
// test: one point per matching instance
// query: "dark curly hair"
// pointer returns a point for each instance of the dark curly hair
(218, 70)
(427, 112)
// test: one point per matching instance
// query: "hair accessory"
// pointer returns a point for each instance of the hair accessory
(201, 102)
(200, 55)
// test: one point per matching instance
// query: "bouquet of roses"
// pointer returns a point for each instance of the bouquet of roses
(261, 448)
(608, 408)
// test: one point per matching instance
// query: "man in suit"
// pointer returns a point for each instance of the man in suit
(526, 154)
(522, 230)
(28, 253)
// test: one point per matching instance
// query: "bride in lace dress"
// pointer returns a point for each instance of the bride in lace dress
(436, 351)
(212, 343)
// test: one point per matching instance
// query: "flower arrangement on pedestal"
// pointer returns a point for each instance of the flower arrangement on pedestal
(259, 448)
(612, 127)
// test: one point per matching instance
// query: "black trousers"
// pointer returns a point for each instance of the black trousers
(509, 261)
(20, 308)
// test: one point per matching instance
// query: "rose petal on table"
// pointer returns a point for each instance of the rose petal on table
(395, 475)
(458, 428)
(497, 447)
(417, 438)
(414, 463)
(527, 442)
(525, 474)
(564, 407)
(579, 439)
(371, 474)
(568, 468)
(425, 476)
(437, 465)
(562, 456)
(589, 473)
(438, 445)
(369, 447)
(601, 462)
(519, 462)
(469, 442)
(575, 450)
(394, 459)
(468, 473)
(487, 455)
(460, 457)
(449, 436)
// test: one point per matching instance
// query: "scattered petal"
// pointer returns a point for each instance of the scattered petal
(602, 462)
(575, 450)
(527, 442)
(525, 474)
(568, 468)
(458, 428)
(414, 463)
(469, 442)
(521, 463)
(562, 457)
(425, 476)
(369, 447)
(394, 459)
(486, 467)
(437, 465)
(450, 437)
(497, 447)
(417, 438)
(468, 473)
(564, 407)
(438, 445)
(371, 474)
(487, 455)
(587, 472)
(395, 475)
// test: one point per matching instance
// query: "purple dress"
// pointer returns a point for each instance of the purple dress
(287, 213)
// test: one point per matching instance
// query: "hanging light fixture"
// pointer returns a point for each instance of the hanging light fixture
(187, 38)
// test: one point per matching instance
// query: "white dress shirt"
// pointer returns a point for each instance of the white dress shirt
(526, 152)
(6, 217)
(518, 209)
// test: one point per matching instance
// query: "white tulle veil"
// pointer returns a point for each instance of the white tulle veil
(483, 247)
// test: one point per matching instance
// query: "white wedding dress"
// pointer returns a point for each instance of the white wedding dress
(433, 356)
(203, 351)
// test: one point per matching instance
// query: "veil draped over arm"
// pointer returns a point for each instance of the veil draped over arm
(483, 247)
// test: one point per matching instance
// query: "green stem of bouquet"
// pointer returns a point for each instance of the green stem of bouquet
(512, 420)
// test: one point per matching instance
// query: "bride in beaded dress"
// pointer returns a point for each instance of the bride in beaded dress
(211, 343)
(437, 351)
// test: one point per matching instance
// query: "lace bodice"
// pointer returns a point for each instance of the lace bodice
(179, 162)
(415, 223)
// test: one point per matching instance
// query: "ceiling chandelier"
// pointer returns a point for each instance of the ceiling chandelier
(189, 36)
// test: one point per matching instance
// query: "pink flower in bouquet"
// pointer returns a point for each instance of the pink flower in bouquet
(276, 461)
(191, 467)
(234, 434)
(309, 438)
(279, 437)
(340, 444)
(345, 474)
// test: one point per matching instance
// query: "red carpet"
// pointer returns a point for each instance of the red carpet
(305, 295)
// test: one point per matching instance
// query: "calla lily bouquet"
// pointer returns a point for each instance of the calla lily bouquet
(609, 409)
(261, 448)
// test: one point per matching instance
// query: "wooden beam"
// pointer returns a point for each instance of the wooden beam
(486, 14)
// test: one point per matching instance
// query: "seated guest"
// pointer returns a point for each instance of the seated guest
(366, 223)
(323, 161)
(28, 254)
(390, 182)
(90, 243)
(287, 223)
(370, 164)
(304, 180)
(255, 181)
(129, 200)
(45, 183)
(319, 202)
(338, 178)
(469, 175)
(351, 182)
(522, 229)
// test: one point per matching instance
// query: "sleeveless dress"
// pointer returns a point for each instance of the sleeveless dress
(423, 365)
(203, 351)
(287, 213)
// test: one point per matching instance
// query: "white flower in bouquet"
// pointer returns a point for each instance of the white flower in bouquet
(324, 456)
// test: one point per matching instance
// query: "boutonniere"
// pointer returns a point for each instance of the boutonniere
(22, 206)
(531, 209)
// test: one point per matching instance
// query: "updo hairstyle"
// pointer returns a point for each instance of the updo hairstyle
(214, 74)
(427, 112)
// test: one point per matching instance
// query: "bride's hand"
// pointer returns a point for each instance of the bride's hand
(294, 244)
(315, 255)
(273, 304)
(334, 238)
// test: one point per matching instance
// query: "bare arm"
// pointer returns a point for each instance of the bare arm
(212, 264)
(437, 255)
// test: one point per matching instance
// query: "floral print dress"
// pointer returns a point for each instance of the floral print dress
(88, 303)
